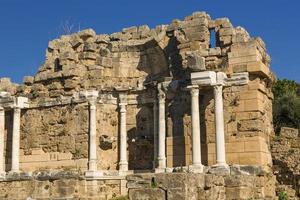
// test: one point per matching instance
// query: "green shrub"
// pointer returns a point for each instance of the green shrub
(282, 196)
(286, 104)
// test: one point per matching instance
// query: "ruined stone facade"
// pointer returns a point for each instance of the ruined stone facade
(142, 99)
(285, 150)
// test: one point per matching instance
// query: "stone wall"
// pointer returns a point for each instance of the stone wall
(52, 137)
(55, 133)
(60, 185)
(201, 186)
(286, 159)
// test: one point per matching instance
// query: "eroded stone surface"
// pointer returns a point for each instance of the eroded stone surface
(55, 128)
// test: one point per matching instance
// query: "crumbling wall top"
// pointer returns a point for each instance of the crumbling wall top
(136, 55)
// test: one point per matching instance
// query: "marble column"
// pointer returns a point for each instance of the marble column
(162, 132)
(123, 164)
(92, 162)
(219, 126)
(2, 129)
(196, 139)
(15, 161)
(155, 133)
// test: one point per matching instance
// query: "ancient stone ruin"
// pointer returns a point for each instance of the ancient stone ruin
(181, 111)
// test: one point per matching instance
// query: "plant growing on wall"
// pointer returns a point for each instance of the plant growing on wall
(282, 196)
(286, 104)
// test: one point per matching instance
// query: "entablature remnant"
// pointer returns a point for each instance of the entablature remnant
(138, 55)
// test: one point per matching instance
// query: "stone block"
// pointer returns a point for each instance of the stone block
(89, 47)
(289, 133)
(28, 80)
(212, 180)
(252, 105)
(150, 193)
(259, 68)
(196, 62)
(251, 158)
(251, 125)
(64, 156)
(211, 148)
(211, 159)
(232, 158)
(34, 158)
(234, 147)
(247, 170)
(214, 51)
(258, 145)
(251, 94)
(176, 193)
(131, 29)
(238, 193)
(226, 31)
(87, 33)
(37, 151)
(88, 55)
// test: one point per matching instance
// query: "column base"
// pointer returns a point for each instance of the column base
(124, 173)
(219, 169)
(93, 174)
(161, 163)
(154, 164)
(123, 166)
(2, 176)
(199, 168)
(14, 172)
(163, 170)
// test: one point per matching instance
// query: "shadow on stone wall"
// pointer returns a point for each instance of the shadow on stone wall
(8, 137)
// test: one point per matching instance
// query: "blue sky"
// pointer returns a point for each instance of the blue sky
(26, 26)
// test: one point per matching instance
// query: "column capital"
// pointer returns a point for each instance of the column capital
(17, 109)
(161, 95)
(91, 96)
(122, 107)
(194, 90)
(92, 102)
(122, 98)
(1, 109)
(218, 88)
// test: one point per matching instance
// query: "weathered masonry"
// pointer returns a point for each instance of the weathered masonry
(141, 100)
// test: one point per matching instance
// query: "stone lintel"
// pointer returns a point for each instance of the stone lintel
(205, 78)
(21, 102)
(4, 95)
(221, 78)
(14, 102)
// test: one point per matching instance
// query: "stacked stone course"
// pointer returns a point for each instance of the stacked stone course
(144, 100)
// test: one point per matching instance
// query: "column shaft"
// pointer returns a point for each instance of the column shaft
(123, 164)
(155, 133)
(2, 129)
(219, 124)
(196, 140)
(93, 138)
(162, 132)
(15, 162)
